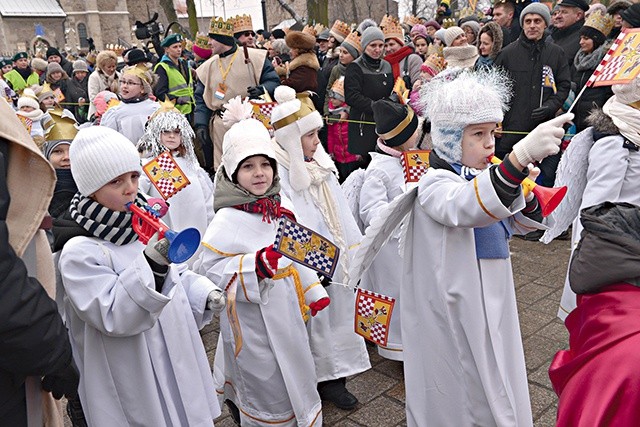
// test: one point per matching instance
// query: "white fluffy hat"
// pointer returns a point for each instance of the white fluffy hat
(456, 98)
(28, 99)
(246, 136)
(99, 154)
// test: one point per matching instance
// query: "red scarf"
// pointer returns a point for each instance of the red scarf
(395, 58)
(269, 207)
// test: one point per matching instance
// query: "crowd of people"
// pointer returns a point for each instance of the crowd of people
(99, 313)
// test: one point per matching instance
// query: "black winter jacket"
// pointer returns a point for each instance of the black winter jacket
(569, 40)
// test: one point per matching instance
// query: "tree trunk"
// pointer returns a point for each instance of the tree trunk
(169, 10)
(193, 18)
(318, 11)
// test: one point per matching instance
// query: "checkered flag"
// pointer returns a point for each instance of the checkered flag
(262, 112)
(166, 175)
(621, 64)
(306, 247)
(373, 315)
(414, 164)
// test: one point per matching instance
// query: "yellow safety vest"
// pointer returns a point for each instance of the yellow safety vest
(18, 84)
(178, 86)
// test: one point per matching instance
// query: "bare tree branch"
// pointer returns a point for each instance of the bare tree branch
(292, 12)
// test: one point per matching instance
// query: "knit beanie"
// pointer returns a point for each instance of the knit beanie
(49, 146)
(395, 122)
(452, 33)
(43, 92)
(292, 118)
(632, 15)
(440, 35)
(474, 25)
(28, 99)
(432, 23)
(539, 9)
(80, 66)
(99, 154)
(53, 51)
(456, 98)
(353, 44)
(54, 67)
(418, 30)
(39, 64)
(246, 137)
(369, 35)
(627, 93)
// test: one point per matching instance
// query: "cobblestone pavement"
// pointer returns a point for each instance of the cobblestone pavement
(539, 272)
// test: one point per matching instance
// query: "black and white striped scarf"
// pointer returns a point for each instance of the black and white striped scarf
(102, 222)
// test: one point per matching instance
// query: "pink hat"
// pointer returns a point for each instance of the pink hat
(418, 30)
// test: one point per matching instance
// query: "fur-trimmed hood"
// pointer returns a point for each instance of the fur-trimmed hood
(495, 32)
(601, 122)
(306, 59)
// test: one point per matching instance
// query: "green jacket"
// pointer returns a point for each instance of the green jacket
(178, 87)
(17, 82)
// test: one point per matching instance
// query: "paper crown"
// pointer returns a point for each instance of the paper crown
(392, 29)
(221, 27)
(448, 22)
(202, 41)
(411, 20)
(354, 39)
(386, 19)
(434, 64)
(63, 126)
(338, 86)
(242, 23)
(318, 28)
(309, 30)
(116, 48)
(600, 22)
(340, 30)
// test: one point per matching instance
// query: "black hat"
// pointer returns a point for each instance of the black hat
(595, 35)
(53, 51)
(632, 15)
(135, 56)
(618, 7)
(582, 4)
(395, 122)
(278, 34)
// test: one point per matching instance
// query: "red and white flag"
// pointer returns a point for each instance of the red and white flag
(621, 64)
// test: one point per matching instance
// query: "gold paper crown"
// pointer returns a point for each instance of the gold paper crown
(202, 41)
(354, 40)
(393, 29)
(242, 23)
(340, 30)
(435, 62)
(318, 28)
(338, 86)
(166, 106)
(63, 126)
(306, 108)
(386, 19)
(221, 27)
(600, 22)
(411, 20)
(466, 11)
(309, 30)
(448, 22)
(115, 48)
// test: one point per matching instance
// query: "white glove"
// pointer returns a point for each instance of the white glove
(216, 301)
(158, 250)
(543, 141)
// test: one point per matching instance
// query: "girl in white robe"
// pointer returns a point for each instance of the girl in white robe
(308, 178)
(464, 363)
(269, 375)
(133, 318)
(169, 130)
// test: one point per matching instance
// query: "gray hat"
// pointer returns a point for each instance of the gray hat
(80, 66)
(369, 35)
(537, 8)
(324, 35)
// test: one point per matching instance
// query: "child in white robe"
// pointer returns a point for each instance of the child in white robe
(132, 316)
(308, 178)
(269, 375)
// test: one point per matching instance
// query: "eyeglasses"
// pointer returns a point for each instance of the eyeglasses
(248, 34)
(130, 83)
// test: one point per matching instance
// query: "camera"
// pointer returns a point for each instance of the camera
(149, 29)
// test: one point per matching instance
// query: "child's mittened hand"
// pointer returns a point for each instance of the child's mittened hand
(158, 250)
(541, 142)
(216, 301)
(319, 305)
(267, 262)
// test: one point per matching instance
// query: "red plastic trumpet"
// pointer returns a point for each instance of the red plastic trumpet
(549, 198)
(182, 245)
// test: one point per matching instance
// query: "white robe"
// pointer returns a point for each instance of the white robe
(337, 350)
(129, 119)
(139, 353)
(190, 207)
(383, 182)
(613, 176)
(463, 357)
(272, 379)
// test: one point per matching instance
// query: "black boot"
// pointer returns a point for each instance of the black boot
(234, 411)
(335, 391)
(75, 412)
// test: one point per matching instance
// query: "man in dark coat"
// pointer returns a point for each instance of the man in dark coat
(566, 31)
(53, 55)
(533, 104)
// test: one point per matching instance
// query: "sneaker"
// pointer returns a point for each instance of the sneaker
(336, 392)
(234, 411)
(534, 236)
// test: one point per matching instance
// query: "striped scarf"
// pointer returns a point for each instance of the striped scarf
(102, 222)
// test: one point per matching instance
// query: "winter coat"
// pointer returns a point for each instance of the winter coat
(303, 73)
(338, 141)
(67, 66)
(76, 90)
(523, 60)
(592, 96)
(364, 84)
(569, 40)
(98, 81)
(324, 75)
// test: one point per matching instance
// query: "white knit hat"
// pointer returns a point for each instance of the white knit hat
(456, 98)
(99, 154)
(452, 33)
(292, 119)
(245, 138)
(625, 93)
(28, 99)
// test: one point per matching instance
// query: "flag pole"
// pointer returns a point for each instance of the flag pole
(575, 101)
(541, 94)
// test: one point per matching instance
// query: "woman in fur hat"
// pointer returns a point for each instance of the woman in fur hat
(104, 77)
(489, 44)
(308, 179)
(130, 116)
(301, 73)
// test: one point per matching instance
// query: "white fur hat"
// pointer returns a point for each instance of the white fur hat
(245, 138)
(291, 119)
(99, 154)
(456, 98)
(28, 99)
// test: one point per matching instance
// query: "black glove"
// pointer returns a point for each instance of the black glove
(324, 280)
(203, 135)
(255, 91)
(63, 382)
(542, 114)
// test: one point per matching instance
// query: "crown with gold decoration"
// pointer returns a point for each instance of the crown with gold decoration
(340, 30)
(411, 20)
(338, 87)
(448, 22)
(242, 23)
(309, 30)
(318, 28)
(600, 22)
(354, 39)
(202, 41)
(386, 19)
(64, 126)
(392, 29)
(118, 49)
(434, 64)
(221, 27)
